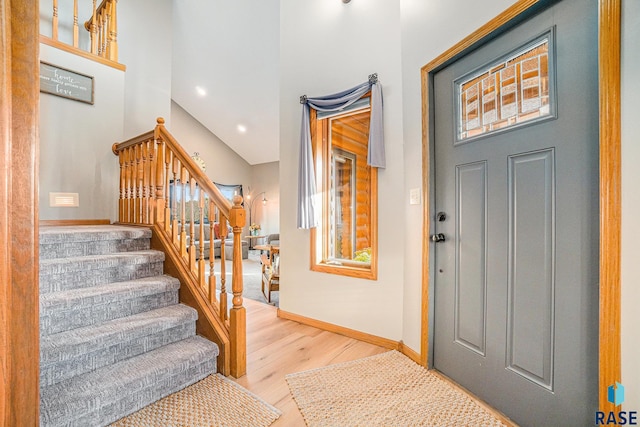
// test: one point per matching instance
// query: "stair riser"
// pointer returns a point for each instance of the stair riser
(76, 249)
(89, 359)
(143, 396)
(95, 277)
(107, 394)
(61, 319)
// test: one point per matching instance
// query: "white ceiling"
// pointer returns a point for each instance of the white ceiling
(230, 48)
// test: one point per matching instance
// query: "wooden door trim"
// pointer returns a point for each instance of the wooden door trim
(19, 321)
(609, 39)
(610, 172)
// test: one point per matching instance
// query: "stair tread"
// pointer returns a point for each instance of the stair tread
(56, 347)
(83, 233)
(89, 262)
(89, 393)
(136, 287)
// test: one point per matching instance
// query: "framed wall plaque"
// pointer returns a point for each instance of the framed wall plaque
(65, 83)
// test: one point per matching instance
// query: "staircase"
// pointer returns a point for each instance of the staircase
(113, 337)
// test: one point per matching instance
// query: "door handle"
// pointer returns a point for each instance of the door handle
(437, 238)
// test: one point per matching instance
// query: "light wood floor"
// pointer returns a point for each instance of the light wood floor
(276, 347)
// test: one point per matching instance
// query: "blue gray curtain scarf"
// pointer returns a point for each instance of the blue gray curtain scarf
(307, 213)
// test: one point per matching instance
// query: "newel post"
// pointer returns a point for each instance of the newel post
(160, 173)
(237, 315)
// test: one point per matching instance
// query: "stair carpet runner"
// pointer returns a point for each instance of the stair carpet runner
(113, 337)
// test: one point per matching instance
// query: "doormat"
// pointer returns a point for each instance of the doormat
(216, 401)
(387, 389)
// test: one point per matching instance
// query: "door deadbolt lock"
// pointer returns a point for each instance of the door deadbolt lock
(441, 216)
(437, 237)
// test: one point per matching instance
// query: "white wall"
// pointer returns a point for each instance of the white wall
(76, 139)
(223, 165)
(266, 177)
(630, 204)
(325, 47)
(428, 29)
(144, 35)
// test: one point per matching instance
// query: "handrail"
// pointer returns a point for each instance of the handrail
(161, 186)
(102, 27)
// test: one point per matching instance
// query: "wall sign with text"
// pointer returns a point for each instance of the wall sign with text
(65, 83)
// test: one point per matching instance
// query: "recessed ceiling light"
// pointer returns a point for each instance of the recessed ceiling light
(201, 91)
(242, 128)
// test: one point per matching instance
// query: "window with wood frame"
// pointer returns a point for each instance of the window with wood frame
(345, 242)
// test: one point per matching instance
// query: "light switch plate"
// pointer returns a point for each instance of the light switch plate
(414, 196)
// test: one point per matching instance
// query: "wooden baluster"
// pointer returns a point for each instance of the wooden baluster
(223, 269)
(167, 193)
(105, 32)
(145, 182)
(212, 257)
(152, 181)
(238, 315)
(54, 21)
(123, 183)
(101, 41)
(113, 32)
(134, 185)
(183, 213)
(94, 30)
(140, 184)
(75, 23)
(99, 32)
(160, 180)
(128, 205)
(174, 202)
(163, 212)
(192, 225)
(201, 263)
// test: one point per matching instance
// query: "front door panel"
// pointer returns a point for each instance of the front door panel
(516, 278)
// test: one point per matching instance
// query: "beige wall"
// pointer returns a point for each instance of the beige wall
(393, 39)
(266, 177)
(325, 47)
(144, 34)
(630, 204)
(76, 139)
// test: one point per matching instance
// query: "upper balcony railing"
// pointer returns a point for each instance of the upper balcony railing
(101, 27)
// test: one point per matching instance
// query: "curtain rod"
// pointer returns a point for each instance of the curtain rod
(373, 79)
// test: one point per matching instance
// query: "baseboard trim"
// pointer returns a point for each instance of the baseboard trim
(50, 222)
(410, 353)
(341, 330)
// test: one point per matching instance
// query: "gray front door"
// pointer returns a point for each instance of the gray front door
(516, 276)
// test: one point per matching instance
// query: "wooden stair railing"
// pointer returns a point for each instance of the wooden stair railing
(102, 27)
(162, 187)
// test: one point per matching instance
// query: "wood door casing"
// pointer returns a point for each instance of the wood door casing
(19, 321)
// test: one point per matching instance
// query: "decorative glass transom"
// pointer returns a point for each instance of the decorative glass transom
(505, 93)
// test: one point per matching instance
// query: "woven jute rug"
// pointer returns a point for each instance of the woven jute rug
(387, 389)
(213, 402)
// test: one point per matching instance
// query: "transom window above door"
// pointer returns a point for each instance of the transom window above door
(508, 92)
